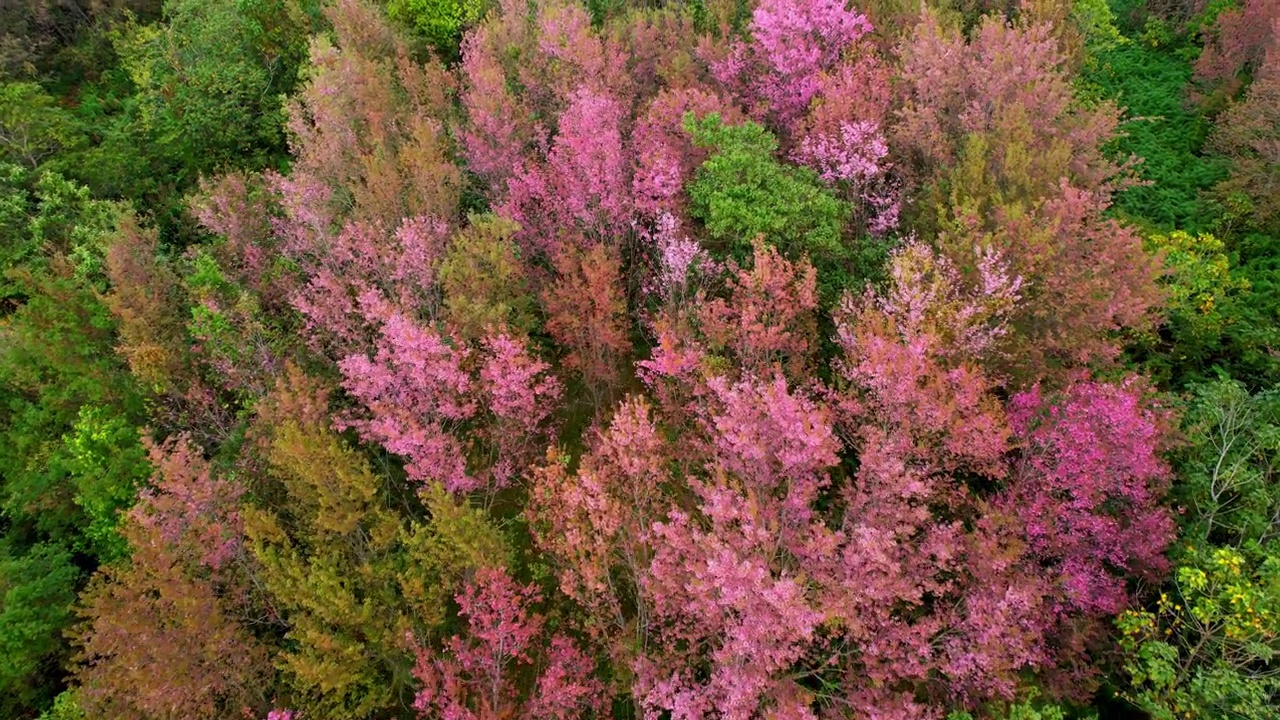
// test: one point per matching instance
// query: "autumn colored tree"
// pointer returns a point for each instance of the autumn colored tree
(1002, 101)
(596, 522)
(718, 359)
(1087, 278)
(765, 320)
(480, 674)
(367, 131)
(1238, 43)
(178, 589)
(1246, 133)
(147, 298)
(768, 318)
(1016, 164)
(586, 314)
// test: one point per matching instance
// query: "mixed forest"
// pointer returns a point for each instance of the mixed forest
(661, 359)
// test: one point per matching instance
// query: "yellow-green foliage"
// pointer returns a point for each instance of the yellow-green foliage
(1208, 650)
(1199, 283)
(483, 280)
(65, 707)
(1097, 24)
(441, 22)
(33, 127)
(459, 536)
(107, 464)
(351, 578)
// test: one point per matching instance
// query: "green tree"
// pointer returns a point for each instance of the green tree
(1210, 647)
(68, 417)
(209, 80)
(742, 192)
(32, 125)
(440, 22)
(37, 588)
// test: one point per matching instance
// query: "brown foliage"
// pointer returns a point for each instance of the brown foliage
(160, 638)
(1249, 134)
(367, 124)
(587, 315)
(146, 296)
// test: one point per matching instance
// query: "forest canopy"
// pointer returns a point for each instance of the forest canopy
(720, 360)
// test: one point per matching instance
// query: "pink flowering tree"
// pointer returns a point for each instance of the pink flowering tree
(506, 663)
(365, 275)
(418, 395)
(367, 131)
(768, 318)
(189, 508)
(665, 156)
(440, 405)
(734, 611)
(1238, 43)
(923, 416)
(163, 633)
(550, 153)
(1088, 488)
(1086, 280)
(520, 395)
(843, 139)
(1002, 91)
(792, 43)
(596, 523)
(584, 184)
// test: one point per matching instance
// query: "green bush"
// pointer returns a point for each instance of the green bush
(742, 192)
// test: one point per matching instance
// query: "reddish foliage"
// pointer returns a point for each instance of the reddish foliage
(1008, 85)
(188, 508)
(147, 299)
(596, 522)
(161, 638)
(1249, 134)
(1086, 277)
(742, 539)
(768, 318)
(587, 314)
(1239, 42)
(478, 674)
(367, 130)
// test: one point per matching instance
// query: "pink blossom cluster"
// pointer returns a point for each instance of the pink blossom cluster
(477, 673)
